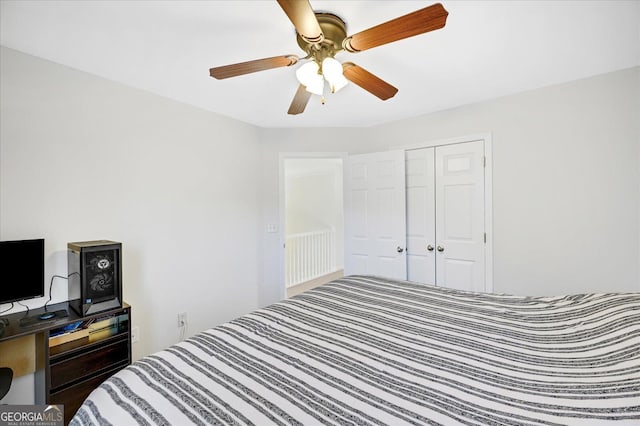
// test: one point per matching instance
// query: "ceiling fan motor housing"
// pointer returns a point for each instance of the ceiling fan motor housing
(334, 30)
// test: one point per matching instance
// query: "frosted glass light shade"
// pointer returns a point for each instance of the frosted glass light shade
(338, 83)
(331, 68)
(316, 86)
(332, 71)
(308, 76)
(307, 72)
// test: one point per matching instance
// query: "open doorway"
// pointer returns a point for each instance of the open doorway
(313, 222)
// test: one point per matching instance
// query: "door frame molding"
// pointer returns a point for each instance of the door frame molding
(488, 192)
(281, 202)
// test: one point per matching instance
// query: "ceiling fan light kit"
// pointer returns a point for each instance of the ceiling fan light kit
(321, 36)
(312, 76)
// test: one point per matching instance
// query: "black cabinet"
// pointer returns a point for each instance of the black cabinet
(77, 362)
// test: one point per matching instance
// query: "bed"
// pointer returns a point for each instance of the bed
(371, 351)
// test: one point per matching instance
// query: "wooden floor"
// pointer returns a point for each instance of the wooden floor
(299, 288)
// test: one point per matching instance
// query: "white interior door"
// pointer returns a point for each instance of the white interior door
(460, 229)
(375, 231)
(421, 221)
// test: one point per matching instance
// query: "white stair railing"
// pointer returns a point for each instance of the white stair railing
(309, 255)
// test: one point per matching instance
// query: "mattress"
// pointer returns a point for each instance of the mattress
(371, 351)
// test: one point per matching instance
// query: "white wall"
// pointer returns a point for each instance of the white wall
(309, 202)
(566, 181)
(313, 199)
(313, 196)
(84, 158)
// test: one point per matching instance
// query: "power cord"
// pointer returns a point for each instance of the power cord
(51, 286)
(7, 310)
(26, 314)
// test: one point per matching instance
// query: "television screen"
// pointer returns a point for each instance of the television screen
(21, 270)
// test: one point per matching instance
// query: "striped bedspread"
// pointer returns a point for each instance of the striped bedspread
(371, 351)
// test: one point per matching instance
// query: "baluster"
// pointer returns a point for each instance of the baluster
(311, 262)
(314, 247)
(303, 256)
(321, 248)
(307, 259)
(325, 254)
(298, 259)
(332, 249)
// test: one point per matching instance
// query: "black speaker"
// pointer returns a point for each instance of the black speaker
(95, 276)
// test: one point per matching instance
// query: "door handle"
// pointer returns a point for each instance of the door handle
(440, 249)
(399, 249)
(429, 247)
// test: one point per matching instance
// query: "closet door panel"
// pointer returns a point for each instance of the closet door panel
(386, 240)
(420, 190)
(375, 214)
(460, 216)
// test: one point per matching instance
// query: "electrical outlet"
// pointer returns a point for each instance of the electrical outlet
(182, 319)
(135, 334)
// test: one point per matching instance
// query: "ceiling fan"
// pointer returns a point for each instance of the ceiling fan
(323, 35)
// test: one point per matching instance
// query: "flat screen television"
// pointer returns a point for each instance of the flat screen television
(21, 270)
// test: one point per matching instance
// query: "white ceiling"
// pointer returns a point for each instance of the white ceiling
(487, 49)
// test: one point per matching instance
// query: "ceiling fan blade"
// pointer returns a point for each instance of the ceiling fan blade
(303, 18)
(369, 82)
(421, 21)
(300, 100)
(234, 70)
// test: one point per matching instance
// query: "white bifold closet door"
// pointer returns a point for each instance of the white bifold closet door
(418, 215)
(375, 215)
(445, 215)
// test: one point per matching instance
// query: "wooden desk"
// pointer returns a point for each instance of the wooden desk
(66, 373)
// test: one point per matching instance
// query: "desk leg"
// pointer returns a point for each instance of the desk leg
(40, 376)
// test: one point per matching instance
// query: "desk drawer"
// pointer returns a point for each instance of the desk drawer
(103, 357)
(73, 397)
